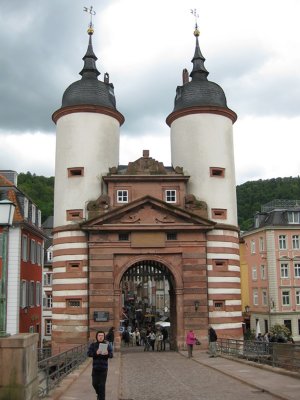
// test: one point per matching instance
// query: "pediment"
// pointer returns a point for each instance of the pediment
(148, 212)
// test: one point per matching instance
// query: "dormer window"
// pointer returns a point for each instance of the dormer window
(33, 212)
(122, 196)
(26, 204)
(170, 196)
(293, 217)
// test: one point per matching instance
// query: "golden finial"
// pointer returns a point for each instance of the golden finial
(196, 31)
(90, 10)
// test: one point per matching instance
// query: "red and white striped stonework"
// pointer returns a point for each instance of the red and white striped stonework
(224, 289)
(70, 289)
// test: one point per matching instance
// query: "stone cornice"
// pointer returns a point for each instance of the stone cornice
(226, 112)
(90, 109)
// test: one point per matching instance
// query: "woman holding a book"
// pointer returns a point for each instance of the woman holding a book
(101, 351)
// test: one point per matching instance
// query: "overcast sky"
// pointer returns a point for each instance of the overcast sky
(252, 50)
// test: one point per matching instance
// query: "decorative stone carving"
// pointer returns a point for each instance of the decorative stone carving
(197, 206)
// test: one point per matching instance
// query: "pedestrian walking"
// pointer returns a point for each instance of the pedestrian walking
(100, 351)
(158, 340)
(190, 341)
(212, 339)
(165, 338)
(152, 338)
(110, 337)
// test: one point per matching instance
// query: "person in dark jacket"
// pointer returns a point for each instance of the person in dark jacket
(101, 351)
(212, 339)
(110, 337)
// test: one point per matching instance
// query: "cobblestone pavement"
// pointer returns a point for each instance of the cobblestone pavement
(170, 376)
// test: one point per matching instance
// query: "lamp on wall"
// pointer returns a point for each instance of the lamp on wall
(7, 209)
(196, 304)
(247, 309)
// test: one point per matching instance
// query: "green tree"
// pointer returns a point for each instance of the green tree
(40, 190)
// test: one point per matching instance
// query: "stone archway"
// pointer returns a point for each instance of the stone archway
(149, 285)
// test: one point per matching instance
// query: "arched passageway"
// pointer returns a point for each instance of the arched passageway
(148, 301)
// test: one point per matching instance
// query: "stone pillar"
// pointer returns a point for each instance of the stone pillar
(117, 310)
(180, 323)
(18, 367)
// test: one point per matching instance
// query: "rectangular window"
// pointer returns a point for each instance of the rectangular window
(26, 207)
(261, 244)
(296, 242)
(171, 236)
(77, 171)
(49, 255)
(38, 293)
(217, 172)
(288, 324)
(48, 327)
(47, 279)
(282, 242)
(122, 196)
(39, 218)
(252, 248)
(23, 295)
(31, 294)
(284, 270)
(254, 273)
(285, 298)
(297, 270)
(32, 251)
(39, 253)
(170, 196)
(221, 265)
(33, 212)
(24, 248)
(49, 302)
(73, 303)
(294, 217)
(74, 215)
(123, 237)
(219, 304)
(298, 297)
(264, 297)
(263, 272)
(218, 213)
(255, 297)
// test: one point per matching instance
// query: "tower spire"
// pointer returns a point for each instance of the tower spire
(199, 71)
(90, 58)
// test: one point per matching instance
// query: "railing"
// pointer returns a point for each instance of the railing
(53, 369)
(282, 355)
(43, 353)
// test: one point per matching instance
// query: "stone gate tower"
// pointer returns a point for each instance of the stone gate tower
(144, 221)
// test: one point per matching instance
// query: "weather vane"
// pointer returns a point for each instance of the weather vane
(91, 12)
(196, 15)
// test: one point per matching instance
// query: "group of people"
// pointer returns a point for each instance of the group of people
(150, 338)
(191, 340)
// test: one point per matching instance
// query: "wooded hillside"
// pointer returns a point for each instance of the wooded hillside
(250, 195)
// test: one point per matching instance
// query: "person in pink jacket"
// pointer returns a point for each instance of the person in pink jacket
(190, 341)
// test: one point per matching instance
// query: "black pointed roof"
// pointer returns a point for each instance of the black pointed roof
(89, 90)
(199, 91)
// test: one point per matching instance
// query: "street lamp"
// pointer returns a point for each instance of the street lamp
(7, 209)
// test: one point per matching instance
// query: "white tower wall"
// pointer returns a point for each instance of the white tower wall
(198, 142)
(88, 140)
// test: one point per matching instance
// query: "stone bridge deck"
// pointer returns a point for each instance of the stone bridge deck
(135, 375)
